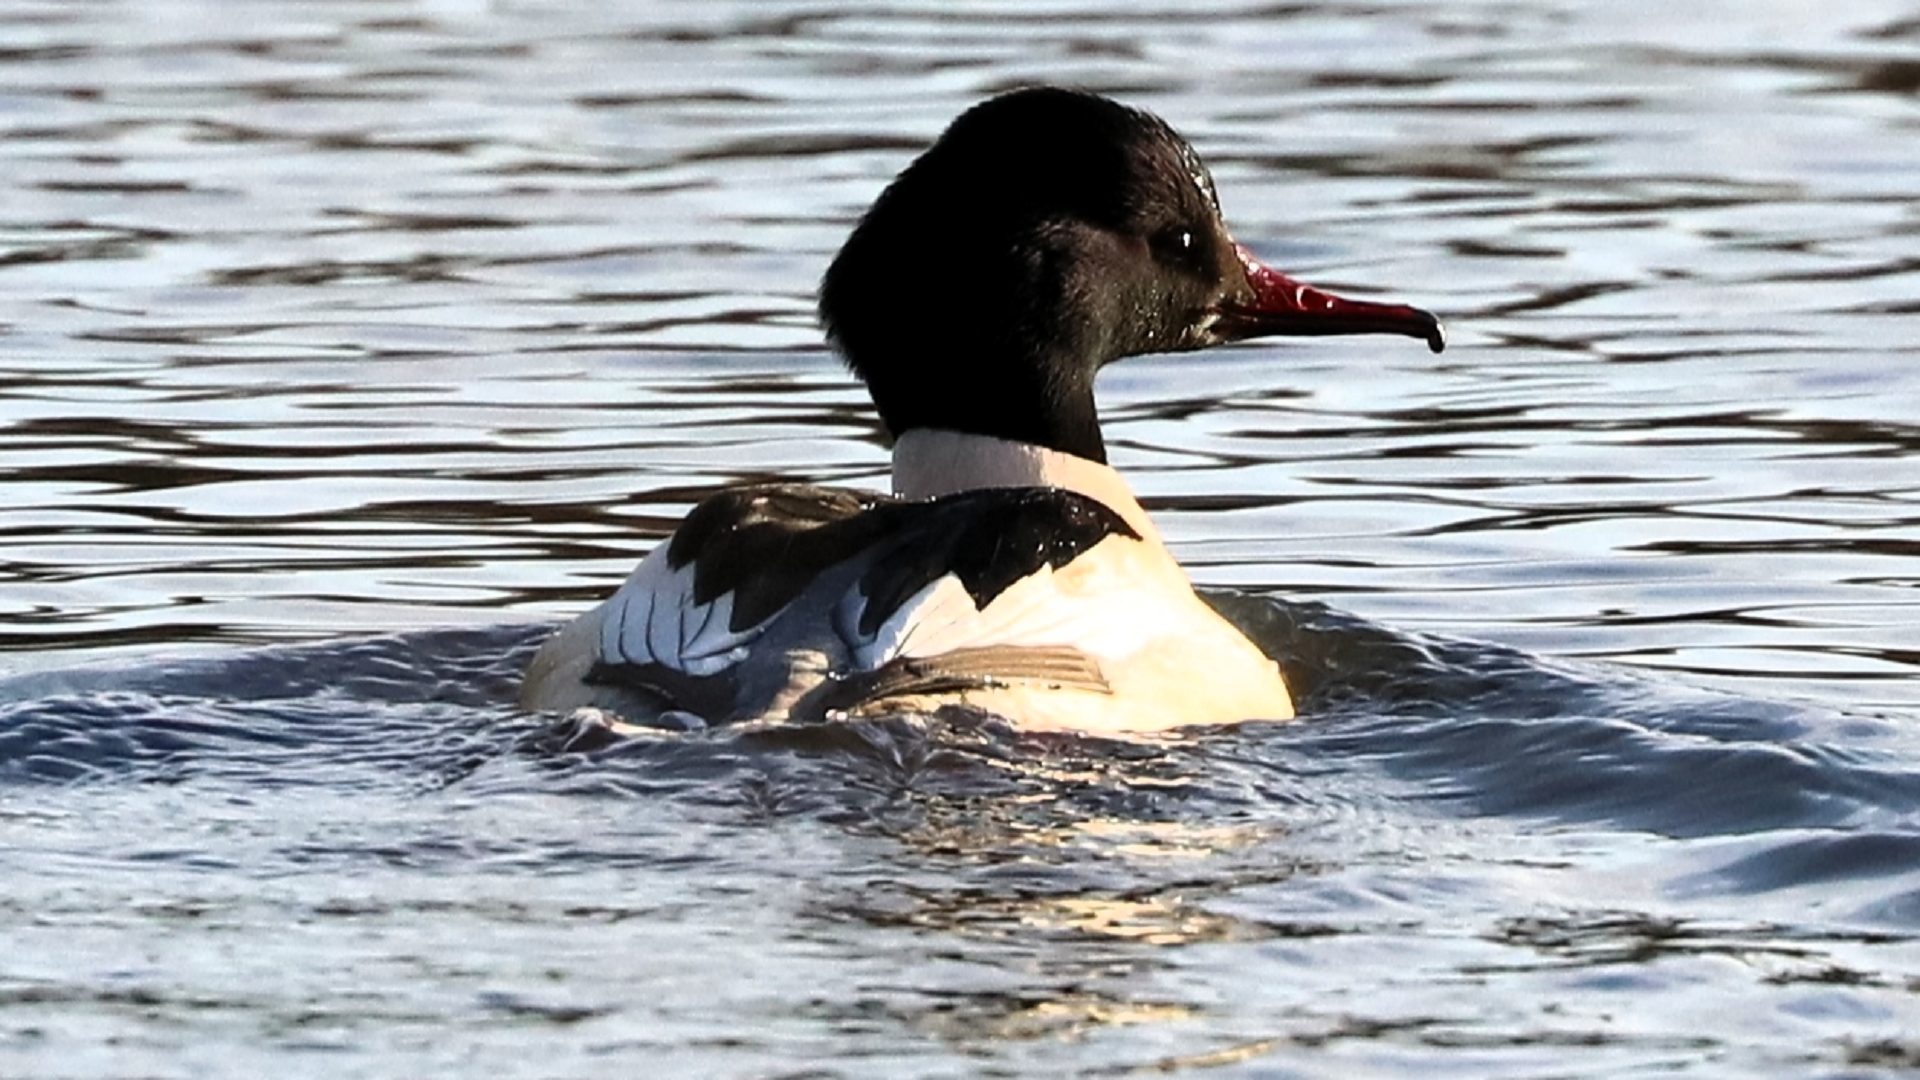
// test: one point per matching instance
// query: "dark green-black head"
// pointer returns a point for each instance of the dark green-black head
(1046, 234)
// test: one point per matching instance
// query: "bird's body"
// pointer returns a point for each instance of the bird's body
(1003, 576)
(1011, 569)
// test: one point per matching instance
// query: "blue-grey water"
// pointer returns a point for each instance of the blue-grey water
(346, 347)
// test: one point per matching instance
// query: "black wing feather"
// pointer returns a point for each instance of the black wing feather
(767, 543)
(989, 539)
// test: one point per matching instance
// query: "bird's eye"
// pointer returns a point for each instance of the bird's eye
(1174, 243)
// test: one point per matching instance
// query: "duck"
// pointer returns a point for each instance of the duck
(1047, 233)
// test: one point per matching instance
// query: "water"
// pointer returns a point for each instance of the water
(347, 347)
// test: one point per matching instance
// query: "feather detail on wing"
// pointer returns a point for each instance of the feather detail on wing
(762, 586)
(698, 602)
(655, 619)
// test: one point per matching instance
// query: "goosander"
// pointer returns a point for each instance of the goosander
(1044, 235)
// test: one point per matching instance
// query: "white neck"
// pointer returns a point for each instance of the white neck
(928, 463)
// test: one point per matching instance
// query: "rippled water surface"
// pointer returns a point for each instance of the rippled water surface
(349, 345)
